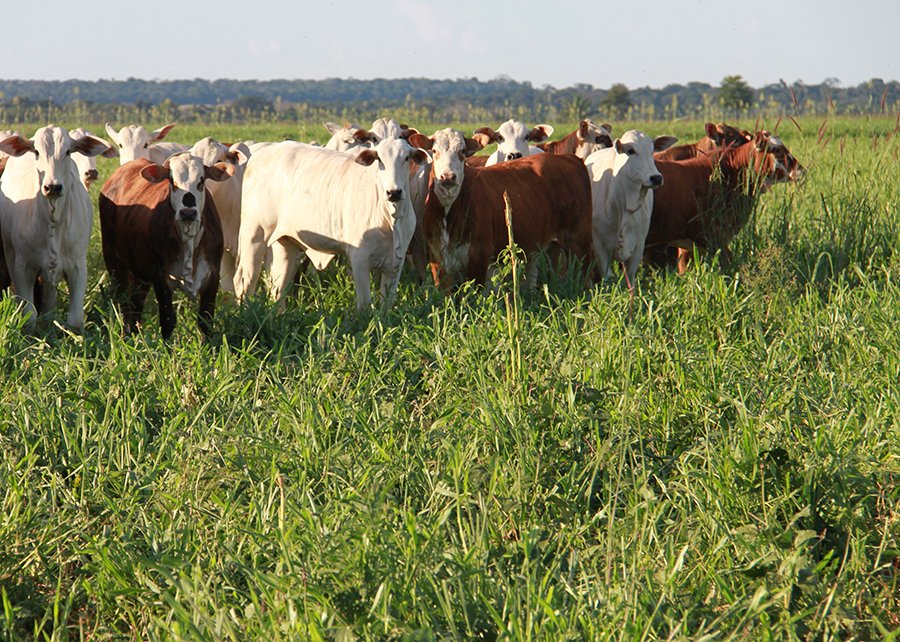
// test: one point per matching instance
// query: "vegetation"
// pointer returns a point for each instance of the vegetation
(735, 94)
(719, 461)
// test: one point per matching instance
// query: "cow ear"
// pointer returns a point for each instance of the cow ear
(158, 134)
(473, 145)
(712, 132)
(618, 145)
(607, 127)
(367, 157)
(481, 139)
(154, 173)
(420, 140)
(663, 142)
(406, 131)
(761, 140)
(112, 133)
(90, 146)
(111, 152)
(486, 134)
(540, 133)
(15, 145)
(364, 136)
(238, 153)
(218, 172)
(331, 127)
(420, 156)
(584, 129)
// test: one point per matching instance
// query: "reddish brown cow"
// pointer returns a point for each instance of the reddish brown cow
(160, 228)
(465, 228)
(582, 142)
(708, 199)
(717, 135)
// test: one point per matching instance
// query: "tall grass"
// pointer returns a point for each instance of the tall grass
(721, 463)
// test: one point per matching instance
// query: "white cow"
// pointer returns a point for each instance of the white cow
(298, 197)
(134, 141)
(46, 216)
(623, 178)
(513, 140)
(227, 197)
(87, 165)
(345, 137)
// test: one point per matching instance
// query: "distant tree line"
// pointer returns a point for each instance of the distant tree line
(425, 100)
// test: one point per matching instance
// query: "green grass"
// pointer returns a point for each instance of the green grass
(722, 463)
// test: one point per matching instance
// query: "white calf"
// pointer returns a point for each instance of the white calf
(513, 140)
(298, 197)
(46, 215)
(623, 178)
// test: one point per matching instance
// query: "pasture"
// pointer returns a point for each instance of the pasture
(718, 460)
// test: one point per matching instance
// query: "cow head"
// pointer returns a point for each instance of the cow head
(389, 128)
(209, 150)
(779, 166)
(634, 163)
(392, 157)
(134, 141)
(87, 165)
(449, 149)
(347, 136)
(723, 135)
(52, 148)
(512, 138)
(592, 137)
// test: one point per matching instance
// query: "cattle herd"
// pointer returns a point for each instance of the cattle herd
(216, 215)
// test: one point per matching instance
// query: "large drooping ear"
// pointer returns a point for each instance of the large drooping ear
(113, 134)
(486, 136)
(362, 135)
(584, 129)
(473, 145)
(367, 157)
(15, 145)
(111, 152)
(90, 146)
(238, 153)
(540, 133)
(713, 132)
(154, 173)
(421, 140)
(761, 140)
(663, 142)
(406, 131)
(420, 156)
(607, 127)
(331, 127)
(158, 134)
(218, 172)
(619, 148)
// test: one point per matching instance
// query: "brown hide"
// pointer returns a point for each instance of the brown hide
(550, 198)
(706, 200)
(137, 225)
(718, 135)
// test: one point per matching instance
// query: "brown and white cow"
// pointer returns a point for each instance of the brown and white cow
(465, 229)
(584, 141)
(160, 227)
(717, 135)
(705, 201)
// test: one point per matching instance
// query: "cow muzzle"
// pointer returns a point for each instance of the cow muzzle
(52, 191)
(513, 156)
(188, 215)
(394, 195)
(656, 180)
(91, 175)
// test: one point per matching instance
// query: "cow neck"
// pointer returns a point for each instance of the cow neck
(744, 164)
(566, 145)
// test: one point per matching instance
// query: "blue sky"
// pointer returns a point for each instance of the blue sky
(636, 42)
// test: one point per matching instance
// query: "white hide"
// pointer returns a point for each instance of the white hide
(134, 141)
(87, 165)
(46, 216)
(345, 137)
(592, 138)
(298, 197)
(513, 140)
(623, 178)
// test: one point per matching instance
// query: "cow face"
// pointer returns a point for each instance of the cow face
(780, 166)
(87, 165)
(134, 141)
(392, 157)
(347, 136)
(449, 149)
(53, 148)
(513, 138)
(592, 137)
(634, 162)
(209, 150)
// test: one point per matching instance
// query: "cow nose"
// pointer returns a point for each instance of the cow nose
(513, 156)
(188, 215)
(656, 180)
(91, 175)
(448, 179)
(53, 191)
(394, 195)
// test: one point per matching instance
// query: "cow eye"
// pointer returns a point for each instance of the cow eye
(500, 139)
(68, 152)
(630, 151)
(146, 145)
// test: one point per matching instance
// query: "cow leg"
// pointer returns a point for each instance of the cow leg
(23, 278)
(76, 279)
(682, 262)
(251, 253)
(207, 308)
(167, 317)
(45, 295)
(531, 273)
(359, 266)
(134, 296)
(226, 270)
(281, 274)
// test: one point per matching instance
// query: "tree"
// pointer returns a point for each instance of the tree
(735, 93)
(617, 101)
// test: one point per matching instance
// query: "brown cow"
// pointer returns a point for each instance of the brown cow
(582, 142)
(465, 229)
(160, 227)
(708, 199)
(717, 135)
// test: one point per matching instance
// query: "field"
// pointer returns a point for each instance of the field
(718, 460)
